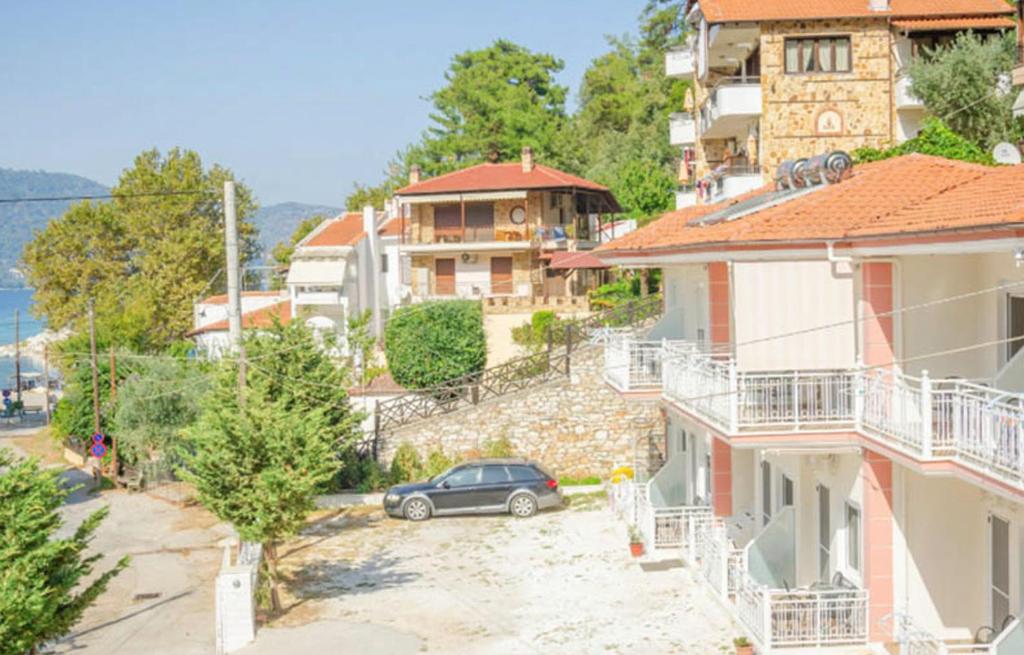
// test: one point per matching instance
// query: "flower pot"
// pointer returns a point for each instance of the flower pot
(636, 549)
(745, 650)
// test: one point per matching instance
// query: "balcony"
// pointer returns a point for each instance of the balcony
(478, 238)
(731, 181)
(912, 639)
(473, 290)
(682, 129)
(680, 62)
(634, 365)
(979, 427)
(734, 103)
(905, 100)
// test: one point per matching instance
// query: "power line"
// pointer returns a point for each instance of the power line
(106, 196)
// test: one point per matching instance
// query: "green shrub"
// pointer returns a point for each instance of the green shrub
(431, 343)
(935, 138)
(579, 482)
(437, 463)
(534, 335)
(406, 465)
(500, 447)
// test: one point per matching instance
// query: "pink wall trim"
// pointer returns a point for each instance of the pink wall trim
(876, 474)
(718, 299)
(877, 278)
(721, 477)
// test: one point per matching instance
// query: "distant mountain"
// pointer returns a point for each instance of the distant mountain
(19, 220)
(277, 222)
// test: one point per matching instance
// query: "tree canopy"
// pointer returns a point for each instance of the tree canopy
(142, 258)
(935, 138)
(433, 342)
(43, 577)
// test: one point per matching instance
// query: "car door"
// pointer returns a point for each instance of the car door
(495, 485)
(458, 490)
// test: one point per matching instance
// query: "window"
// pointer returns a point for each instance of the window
(522, 473)
(494, 475)
(383, 262)
(787, 492)
(1014, 325)
(818, 55)
(852, 537)
(464, 477)
(766, 492)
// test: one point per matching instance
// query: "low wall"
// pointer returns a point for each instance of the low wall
(574, 426)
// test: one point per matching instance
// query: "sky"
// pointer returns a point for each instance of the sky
(300, 99)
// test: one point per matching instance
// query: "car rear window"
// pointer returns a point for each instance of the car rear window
(495, 475)
(522, 473)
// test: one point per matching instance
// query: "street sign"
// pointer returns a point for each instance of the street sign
(98, 450)
(97, 438)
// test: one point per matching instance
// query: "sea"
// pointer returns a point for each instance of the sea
(21, 300)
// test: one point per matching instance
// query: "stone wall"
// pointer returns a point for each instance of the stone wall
(574, 426)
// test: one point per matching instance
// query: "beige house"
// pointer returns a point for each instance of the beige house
(776, 81)
(497, 232)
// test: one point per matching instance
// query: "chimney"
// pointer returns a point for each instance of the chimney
(414, 175)
(879, 5)
(527, 159)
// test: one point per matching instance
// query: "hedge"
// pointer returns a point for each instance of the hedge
(430, 343)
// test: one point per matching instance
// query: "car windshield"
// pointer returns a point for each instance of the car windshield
(441, 476)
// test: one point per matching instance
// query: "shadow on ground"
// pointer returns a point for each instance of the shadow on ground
(324, 579)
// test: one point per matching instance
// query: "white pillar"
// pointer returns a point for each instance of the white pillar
(375, 281)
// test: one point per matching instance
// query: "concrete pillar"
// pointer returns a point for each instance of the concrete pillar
(878, 341)
(876, 475)
(721, 477)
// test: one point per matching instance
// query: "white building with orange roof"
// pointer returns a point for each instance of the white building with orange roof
(773, 80)
(840, 366)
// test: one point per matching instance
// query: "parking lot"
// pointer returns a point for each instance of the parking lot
(560, 582)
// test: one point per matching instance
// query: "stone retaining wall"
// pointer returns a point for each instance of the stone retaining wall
(575, 426)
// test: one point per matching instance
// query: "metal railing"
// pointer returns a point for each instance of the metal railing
(513, 376)
(796, 398)
(632, 364)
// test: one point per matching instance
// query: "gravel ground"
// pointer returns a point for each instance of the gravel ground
(560, 582)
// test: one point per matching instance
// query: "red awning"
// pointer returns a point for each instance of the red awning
(571, 260)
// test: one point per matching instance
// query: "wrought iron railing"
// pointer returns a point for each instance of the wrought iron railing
(513, 376)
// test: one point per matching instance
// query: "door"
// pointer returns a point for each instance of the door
(495, 485)
(444, 277)
(480, 222)
(554, 283)
(824, 534)
(1014, 325)
(458, 491)
(1000, 539)
(501, 275)
(447, 224)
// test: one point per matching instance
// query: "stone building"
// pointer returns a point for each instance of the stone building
(503, 233)
(776, 80)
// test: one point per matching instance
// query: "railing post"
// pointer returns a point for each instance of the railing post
(927, 423)
(796, 400)
(858, 396)
(734, 398)
(768, 631)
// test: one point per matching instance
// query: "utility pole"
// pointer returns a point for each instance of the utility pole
(113, 394)
(234, 293)
(17, 355)
(46, 381)
(95, 371)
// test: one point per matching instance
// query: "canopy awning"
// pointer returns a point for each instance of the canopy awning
(317, 272)
(945, 24)
(561, 261)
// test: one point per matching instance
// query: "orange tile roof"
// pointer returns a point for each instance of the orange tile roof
(345, 230)
(906, 195)
(391, 228)
(962, 23)
(725, 11)
(258, 318)
(222, 299)
(499, 177)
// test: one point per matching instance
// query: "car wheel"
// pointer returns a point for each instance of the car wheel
(416, 509)
(522, 506)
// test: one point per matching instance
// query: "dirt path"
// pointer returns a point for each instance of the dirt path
(561, 582)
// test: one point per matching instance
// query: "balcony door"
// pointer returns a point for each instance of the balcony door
(824, 533)
(1000, 570)
(501, 275)
(480, 222)
(444, 277)
(447, 224)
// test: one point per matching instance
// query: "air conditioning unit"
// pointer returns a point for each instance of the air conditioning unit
(469, 258)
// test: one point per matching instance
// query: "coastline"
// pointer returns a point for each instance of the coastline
(34, 347)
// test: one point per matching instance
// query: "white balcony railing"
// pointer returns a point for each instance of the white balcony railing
(732, 181)
(915, 641)
(682, 129)
(978, 426)
(905, 99)
(679, 62)
(732, 104)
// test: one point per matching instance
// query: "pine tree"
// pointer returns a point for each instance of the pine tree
(40, 597)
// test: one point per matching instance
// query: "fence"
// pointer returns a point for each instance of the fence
(510, 377)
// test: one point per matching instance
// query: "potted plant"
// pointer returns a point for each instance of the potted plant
(743, 646)
(636, 542)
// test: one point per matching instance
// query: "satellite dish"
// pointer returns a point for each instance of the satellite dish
(1006, 153)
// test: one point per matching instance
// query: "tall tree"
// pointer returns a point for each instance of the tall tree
(146, 256)
(966, 85)
(45, 584)
(258, 463)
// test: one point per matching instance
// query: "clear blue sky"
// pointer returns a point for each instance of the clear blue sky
(299, 98)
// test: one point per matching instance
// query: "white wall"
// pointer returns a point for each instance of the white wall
(470, 274)
(393, 278)
(775, 298)
(686, 304)
(695, 457)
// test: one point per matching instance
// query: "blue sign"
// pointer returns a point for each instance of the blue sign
(7, 402)
(98, 450)
(97, 438)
